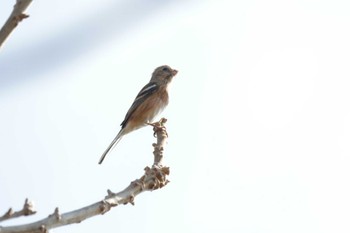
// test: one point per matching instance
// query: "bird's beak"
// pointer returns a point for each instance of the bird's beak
(174, 72)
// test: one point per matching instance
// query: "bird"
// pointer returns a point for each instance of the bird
(149, 102)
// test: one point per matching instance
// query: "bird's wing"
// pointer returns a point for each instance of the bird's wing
(145, 92)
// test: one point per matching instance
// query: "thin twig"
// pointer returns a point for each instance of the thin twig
(28, 209)
(16, 16)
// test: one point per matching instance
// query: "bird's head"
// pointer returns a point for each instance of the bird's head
(163, 74)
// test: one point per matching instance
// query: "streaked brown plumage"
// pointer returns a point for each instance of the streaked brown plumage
(149, 102)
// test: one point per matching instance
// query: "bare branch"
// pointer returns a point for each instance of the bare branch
(161, 135)
(153, 178)
(16, 16)
(28, 209)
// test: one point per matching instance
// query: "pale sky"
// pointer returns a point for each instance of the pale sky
(258, 120)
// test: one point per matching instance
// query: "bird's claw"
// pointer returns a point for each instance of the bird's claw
(158, 126)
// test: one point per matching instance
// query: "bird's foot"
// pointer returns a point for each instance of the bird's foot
(159, 126)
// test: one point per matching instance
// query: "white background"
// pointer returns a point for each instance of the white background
(259, 115)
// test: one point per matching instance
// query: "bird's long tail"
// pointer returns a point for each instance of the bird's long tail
(112, 145)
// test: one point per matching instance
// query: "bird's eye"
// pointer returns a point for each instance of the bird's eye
(165, 69)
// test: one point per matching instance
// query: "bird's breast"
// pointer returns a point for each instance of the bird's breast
(161, 100)
(148, 110)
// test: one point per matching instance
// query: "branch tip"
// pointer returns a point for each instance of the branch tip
(28, 208)
(9, 213)
(109, 193)
(57, 214)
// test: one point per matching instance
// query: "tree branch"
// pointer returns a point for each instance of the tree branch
(16, 16)
(153, 178)
(28, 209)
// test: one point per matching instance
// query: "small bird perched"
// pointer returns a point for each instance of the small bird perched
(150, 101)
